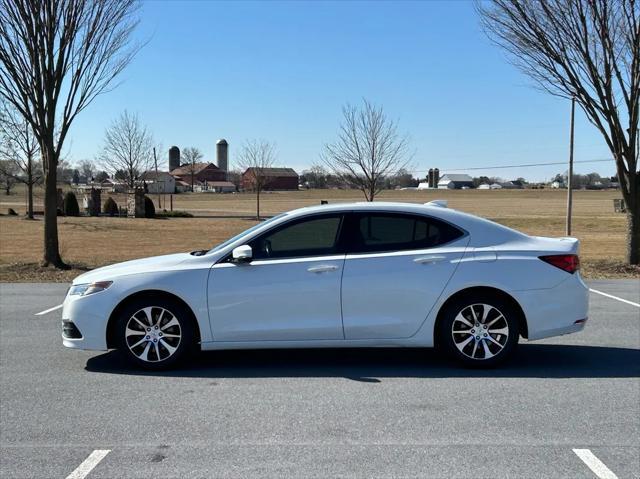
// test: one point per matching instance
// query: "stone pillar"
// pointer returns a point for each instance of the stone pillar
(86, 204)
(94, 208)
(135, 203)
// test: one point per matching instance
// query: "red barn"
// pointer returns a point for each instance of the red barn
(201, 172)
(274, 178)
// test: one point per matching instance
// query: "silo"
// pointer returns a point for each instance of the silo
(222, 155)
(174, 158)
(436, 177)
(430, 178)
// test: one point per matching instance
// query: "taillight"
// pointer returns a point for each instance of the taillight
(567, 262)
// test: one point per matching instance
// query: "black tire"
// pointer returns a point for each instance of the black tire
(172, 350)
(502, 318)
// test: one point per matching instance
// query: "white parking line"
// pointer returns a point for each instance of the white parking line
(596, 465)
(88, 464)
(48, 310)
(615, 297)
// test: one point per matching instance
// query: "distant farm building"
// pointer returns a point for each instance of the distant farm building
(161, 182)
(113, 186)
(182, 186)
(201, 172)
(274, 178)
(216, 187)
(204, 176)
(512, 185)
(455, 181)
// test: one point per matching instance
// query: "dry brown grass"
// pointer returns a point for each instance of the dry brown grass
(92, 242)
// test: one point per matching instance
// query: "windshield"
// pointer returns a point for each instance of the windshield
(244, 233)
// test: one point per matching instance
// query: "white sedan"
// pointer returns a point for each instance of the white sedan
(344, 275)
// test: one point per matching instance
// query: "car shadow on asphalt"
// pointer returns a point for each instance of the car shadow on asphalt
(372, 365)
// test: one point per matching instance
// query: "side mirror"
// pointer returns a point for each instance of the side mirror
(242, 253)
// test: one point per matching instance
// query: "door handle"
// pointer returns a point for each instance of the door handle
(429, 259)
(323, 268)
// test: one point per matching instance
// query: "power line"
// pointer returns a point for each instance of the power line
(527, 165)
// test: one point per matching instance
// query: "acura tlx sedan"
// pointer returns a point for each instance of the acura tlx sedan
(345, 275)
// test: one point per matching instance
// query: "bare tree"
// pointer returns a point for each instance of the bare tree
(315, 177)
(87, 169)
(368, 148)
(255, 158)
(8, 174)
(235, 176)
(128, 148)
(55, 58)
(192, 157)
(590, 50)
(20, 152)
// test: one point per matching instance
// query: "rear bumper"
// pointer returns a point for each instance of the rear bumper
(561, 310)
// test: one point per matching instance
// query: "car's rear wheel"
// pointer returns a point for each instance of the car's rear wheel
(155, 333)
(479, 331)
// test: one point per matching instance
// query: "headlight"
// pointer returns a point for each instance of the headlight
(89, 288)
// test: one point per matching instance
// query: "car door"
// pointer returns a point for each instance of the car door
(290, 290)
(396, 267)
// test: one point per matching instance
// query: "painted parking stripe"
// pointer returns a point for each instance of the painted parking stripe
(615, 297)
(48, 310)
(88, 464)
(596, 465)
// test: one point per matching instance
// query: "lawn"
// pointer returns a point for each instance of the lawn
(92, 242)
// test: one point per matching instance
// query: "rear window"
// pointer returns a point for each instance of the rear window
(381, 232)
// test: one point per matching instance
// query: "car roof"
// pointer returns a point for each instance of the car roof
(395, 207)
(366, 206)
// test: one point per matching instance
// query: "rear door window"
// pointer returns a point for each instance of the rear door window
(386, 232)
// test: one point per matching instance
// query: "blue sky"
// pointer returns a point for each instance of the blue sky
(282, 71)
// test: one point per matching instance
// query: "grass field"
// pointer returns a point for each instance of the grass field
(91, 242)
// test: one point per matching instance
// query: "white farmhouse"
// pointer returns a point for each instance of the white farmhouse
(455, 181)
(162, 182)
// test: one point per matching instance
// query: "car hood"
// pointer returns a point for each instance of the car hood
(145, 265)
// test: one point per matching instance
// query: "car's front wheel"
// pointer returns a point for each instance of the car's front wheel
(479, 331)
(154, 333)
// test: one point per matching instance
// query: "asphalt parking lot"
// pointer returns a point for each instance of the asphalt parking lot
(348, 413)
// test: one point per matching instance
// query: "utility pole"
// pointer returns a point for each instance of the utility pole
(570, 175)
(155, 159)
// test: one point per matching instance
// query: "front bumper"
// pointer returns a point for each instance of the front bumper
(70, 330)
(87, 313)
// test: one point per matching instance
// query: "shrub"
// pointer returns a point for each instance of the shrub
(70, 205)
(149, 208)
(173, 214)
(110, 207)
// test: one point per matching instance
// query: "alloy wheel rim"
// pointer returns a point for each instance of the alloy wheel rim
(153, 334)
(480, 331)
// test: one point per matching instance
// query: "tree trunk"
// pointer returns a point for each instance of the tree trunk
(372, 191)
(51, 249)
(30, 198)
(633, 234)
(630, 188)
(633, 219)
(258, 204)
